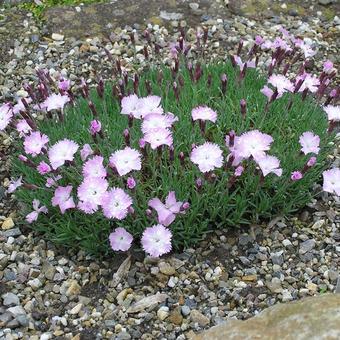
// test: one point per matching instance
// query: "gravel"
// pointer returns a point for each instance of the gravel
(48, 293)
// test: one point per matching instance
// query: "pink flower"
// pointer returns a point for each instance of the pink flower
(156, 240)
(115, 203)
(166, 212)
(309, 143)
(154, 121)
(252, 143)
(328, 66)
(150, 104)
(120, 239)
(61, 152)
(23, 128)
(85, 152)
(131, 183)
(95, 127)
(207, 156)
(14, 185)
(130, 105)
(20, 107)
(62, 198)
(239, 171)
(306, 49)
(282, 83)
(52, 181)
(91, 193)
(267, 91)
(126, 160)
(55, 102)
(64, 84)
(296, 175)
(309, 82)
(311, 162)
(5, 116)
(34, 143)
(280, 43)
(43, 168)
(94, 167)
(269, 164)
(331, 181)
(333, 113)
(158, 137)
(204, 113)
(33, 216)
(259, 40)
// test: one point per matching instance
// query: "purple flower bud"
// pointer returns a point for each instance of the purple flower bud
(243, 105)
(224, 81)
(239, 48)
(311, 162)
(136, 83)
(23, 158)
(185, 206)
(171, 153)
(131, 210)
(296, 175)
(142, 143)
(95, 127)
(100, 88)
(148, 212)
(232, 135)
(259, 40)
(239, 170)
(126, 134)
(199, 183)
(93, 109)
(64, 85)
(205, 34)
(145, 52)
(181, 158)
(130, 182)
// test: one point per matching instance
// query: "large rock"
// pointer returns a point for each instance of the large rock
(311, 318)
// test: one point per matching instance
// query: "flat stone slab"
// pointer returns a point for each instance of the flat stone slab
(102, 18)
(310, 318)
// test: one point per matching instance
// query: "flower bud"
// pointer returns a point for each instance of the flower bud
(243, 105)
(126, 134)
(130, 182)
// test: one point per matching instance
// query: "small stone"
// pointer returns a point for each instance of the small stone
(22, 319)
(286, 295)
(312, 287)
(10, 299)
(17, 310)
(163, 313)
(73, 289)
(7, 223)
(11, 232)
(306, 246)
(286, 243)
(76, 309)
(185, 310)
(176, 316)
(194, 6)
(275, 285)
(166, 268)
(197, 316)
(325, 2)
(35, 284)
(172, 281)
(57, 37)
(277, 258)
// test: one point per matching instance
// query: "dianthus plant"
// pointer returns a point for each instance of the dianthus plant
(157, 159)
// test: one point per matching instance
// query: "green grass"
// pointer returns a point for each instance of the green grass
(38, 10)
(249, 202)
